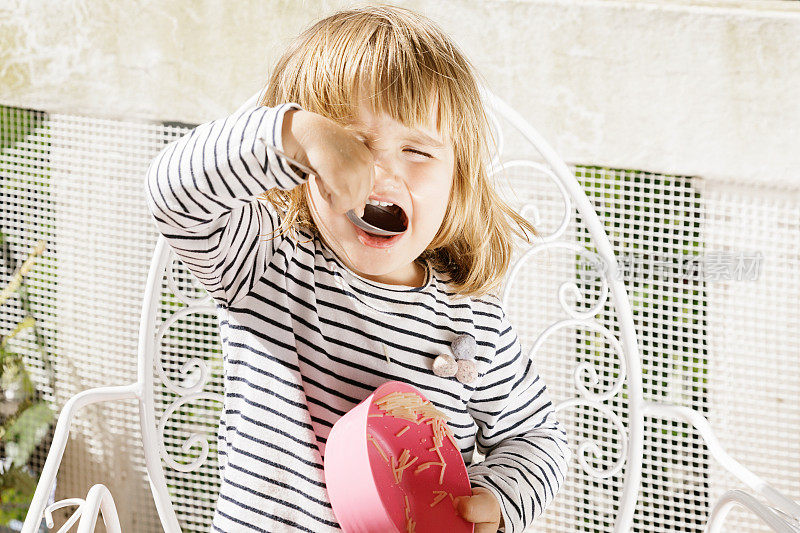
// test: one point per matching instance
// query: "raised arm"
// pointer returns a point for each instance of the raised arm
(525, 446)
(202, 192)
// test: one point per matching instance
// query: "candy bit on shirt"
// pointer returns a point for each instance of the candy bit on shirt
(445, 366)
(464, 347)
(467, 371)
(386, 353)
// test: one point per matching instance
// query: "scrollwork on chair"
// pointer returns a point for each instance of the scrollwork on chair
(584, 371)
(194, 375)
(568, 286)
(583, 314)
(173, 286)
(587, 446)
(529, 210)
(194, 438)
(586, 368)
(187, 367)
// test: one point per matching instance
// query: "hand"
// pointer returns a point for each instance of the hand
(345, 165)
(482, 509)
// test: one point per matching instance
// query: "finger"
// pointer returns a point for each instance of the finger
(323, 191)
(486, 527)
(362, 204)
(370, 184)
(341, 205)
(361, 190)
(481, 507)
(334, 196)
(362, 196)
(356, 203)
(364, 186)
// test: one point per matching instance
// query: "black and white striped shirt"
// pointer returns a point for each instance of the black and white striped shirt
(303, 342)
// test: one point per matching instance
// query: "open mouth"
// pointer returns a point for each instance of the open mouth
(389, 217)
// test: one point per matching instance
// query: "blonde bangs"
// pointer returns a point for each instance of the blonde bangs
(401, 64)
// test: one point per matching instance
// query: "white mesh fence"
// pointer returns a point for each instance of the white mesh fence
(710, 337)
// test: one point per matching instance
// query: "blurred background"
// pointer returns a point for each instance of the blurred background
(681, 119)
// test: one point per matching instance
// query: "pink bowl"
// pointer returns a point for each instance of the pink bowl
(362, 487)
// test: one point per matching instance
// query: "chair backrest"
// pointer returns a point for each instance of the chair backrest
(566, 297)
(563, 294)
(181, 377)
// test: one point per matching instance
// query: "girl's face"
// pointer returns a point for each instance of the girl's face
(414, 170)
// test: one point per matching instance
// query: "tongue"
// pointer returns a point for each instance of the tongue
(385, 217)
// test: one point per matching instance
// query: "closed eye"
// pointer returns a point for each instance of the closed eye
(367, 142)
(418, 152)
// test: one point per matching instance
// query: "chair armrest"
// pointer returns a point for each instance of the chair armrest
(48, 513)
(690, 416)
(99, 500)
(60, 437)
(730, 499)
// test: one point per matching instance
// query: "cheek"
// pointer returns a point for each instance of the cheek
(444, 186)
(434, 194)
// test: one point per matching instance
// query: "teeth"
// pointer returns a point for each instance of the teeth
(376, 202)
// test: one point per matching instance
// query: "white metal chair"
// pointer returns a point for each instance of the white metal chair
(599, 392)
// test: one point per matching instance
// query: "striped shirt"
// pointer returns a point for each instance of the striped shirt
(303, 341)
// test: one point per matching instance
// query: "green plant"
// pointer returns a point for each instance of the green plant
(25, 416)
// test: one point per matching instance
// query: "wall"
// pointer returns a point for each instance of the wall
(692, 88)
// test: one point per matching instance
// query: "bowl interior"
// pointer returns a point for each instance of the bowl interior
(423, 487)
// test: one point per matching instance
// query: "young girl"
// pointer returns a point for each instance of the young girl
(316, 313)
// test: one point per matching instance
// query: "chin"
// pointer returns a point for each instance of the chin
(376, 264)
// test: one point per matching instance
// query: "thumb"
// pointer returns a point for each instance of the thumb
(480, 507)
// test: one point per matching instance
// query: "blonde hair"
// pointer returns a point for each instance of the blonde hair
(404, 61)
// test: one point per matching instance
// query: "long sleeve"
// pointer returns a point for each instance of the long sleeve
(202, 192)
(525, 446)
